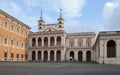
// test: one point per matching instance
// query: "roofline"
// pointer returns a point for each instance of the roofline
(6, 14)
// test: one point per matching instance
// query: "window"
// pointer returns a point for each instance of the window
(22, 31)
(60, 26)
(17, 55)
(5, 40)
(17, 43)
(80, 44)
(40, 27)
(21, 55)
(12, 27)
(12, 42)
(88, 44)
(6, 24)
(5, 54)
(17, 29)
(12, 55)
(22, 45)
(26, 33)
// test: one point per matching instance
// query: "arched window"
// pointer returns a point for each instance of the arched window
(33, 42)
(72, 55)
(58, 55)
(111, 48)
(80, 56)
(45, 55)
(39, 55)
(88, 56)
(52, 41)
(58, 41)
(33, 55)
(51, 55)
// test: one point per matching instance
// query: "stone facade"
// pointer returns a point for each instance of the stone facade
(52, 43)
(13, 38)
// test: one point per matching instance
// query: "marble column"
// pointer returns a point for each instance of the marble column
(42, 52)
(42, 41)
(55, 55)
(48, 55)
(36, 42)
(36, 52)
(48, 41)
(84, 55)
(55, 41)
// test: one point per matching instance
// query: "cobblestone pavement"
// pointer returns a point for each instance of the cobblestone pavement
(52, 68)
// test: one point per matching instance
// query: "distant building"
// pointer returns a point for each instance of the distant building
(13, 38)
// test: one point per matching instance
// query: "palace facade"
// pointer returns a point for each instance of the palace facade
(52, 43)
(13, 38)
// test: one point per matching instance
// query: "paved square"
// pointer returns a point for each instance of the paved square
(51, 68)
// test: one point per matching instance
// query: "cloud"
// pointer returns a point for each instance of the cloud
(111, 15)
(73, 8)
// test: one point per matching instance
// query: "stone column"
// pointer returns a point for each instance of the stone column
(48, 41)
(62, 55)
(55, 55)
(36, 52)
(42, 52)
(55, 42)
(62, 41)
(42, 41)
(76, 55)
(84, 55)
(48, 55)
(30, 42)
(36, 42)
(29, 55)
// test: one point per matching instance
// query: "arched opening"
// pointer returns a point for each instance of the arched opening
(111, 49)
(39, 55)
(39, 42)
(33, 55)
(71, 55)
(33, 42)
(52, 41)
(51, 55)
(88, 56)
(80, 56)
(58, 55)
(58, 41)
(45, 41)
(45, 55)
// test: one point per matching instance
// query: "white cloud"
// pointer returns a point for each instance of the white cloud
(109, 8)
(112, 15)
(72, 8)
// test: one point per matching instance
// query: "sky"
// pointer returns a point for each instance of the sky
(79, 15)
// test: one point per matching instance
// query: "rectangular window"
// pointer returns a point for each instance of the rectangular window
(12, 42)
(21, 55)
(5, 54)
(6, 24)
(12, 55)
(5, 40)
(17, 44)
(17, 55)
(12, 27)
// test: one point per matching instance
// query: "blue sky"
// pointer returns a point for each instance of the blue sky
(79, 15)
